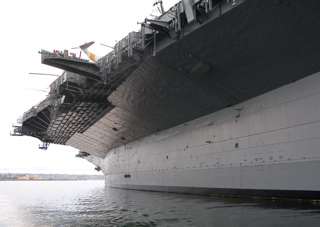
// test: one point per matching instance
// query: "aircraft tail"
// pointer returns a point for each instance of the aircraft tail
(86, 45)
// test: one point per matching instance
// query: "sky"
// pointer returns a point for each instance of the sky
(26, 28)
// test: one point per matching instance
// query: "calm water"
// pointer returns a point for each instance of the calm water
(89, 203)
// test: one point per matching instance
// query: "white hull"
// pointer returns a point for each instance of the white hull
(267, 146)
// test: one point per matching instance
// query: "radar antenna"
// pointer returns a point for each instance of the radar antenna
(161, 6)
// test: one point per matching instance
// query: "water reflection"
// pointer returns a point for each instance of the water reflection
(86, 203)
(167, 209)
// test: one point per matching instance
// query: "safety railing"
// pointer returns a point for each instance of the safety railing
(60, 54)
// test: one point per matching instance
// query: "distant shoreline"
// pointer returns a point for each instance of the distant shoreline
(50, 180)
(47, 177)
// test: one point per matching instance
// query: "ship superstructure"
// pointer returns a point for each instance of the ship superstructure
(215, 97)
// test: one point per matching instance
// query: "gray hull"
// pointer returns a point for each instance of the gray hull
(267, 146)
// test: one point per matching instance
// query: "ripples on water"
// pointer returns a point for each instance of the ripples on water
(89, 203)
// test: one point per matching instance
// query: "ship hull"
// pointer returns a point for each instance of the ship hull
(212, 97)
(267, 146)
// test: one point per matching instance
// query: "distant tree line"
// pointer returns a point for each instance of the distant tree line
(41, 176)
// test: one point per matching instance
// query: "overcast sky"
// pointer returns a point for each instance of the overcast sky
(26, 28)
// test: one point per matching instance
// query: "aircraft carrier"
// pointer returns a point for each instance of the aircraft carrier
(211, 97)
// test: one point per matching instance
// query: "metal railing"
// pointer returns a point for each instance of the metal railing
(124, 47)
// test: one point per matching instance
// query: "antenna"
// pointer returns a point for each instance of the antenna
(44, 74)
(161, 5)
(106, 46)
(36, 90)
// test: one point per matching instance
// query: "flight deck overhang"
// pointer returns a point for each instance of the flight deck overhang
(71, 107)
(84, 68)
(247, 51)
(223, 58)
